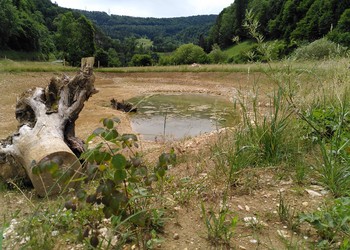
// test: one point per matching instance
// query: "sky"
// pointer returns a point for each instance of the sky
(149, 8)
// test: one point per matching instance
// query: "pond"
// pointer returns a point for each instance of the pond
(173, 117)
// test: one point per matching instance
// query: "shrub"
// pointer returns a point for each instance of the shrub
(120, 188)
(165, 60)
(275, 49)
(318, 50)
(101, 58)
(188, 54)
(113, 60)
(217, 55)
(141, 60)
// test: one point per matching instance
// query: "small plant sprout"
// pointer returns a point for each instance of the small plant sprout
(220, 226)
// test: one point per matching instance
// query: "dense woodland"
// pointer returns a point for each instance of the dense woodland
(294, 21)
(47, 31)
(166, 33)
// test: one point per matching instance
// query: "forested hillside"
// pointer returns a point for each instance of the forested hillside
(166, 33)
(40, 29)
(43, 30)
(294, 21)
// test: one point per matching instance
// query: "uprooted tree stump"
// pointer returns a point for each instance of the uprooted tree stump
(45, 140)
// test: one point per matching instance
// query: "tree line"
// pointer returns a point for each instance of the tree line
(166, 33)
(293, 21)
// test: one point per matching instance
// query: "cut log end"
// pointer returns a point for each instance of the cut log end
(45, 141)
(55, 173)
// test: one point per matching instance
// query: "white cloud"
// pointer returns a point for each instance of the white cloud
(150, 8)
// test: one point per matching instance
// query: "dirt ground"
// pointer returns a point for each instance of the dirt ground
(185, 228)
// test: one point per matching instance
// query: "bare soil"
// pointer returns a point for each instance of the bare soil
(258, 196)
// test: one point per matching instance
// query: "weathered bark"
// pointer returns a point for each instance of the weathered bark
(46, 133)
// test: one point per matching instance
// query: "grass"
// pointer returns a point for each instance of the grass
(220, 226)
(21, 56)
(317, 69)
(27, 66)
(239, 48)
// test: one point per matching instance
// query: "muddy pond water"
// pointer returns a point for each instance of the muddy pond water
(173, 117)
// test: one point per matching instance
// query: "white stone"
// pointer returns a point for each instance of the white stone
(55, 233)
(313, 193)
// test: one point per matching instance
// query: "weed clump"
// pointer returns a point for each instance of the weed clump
(319, 50)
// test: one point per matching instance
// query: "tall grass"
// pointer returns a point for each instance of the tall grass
(26, 66)
(321, 69)
(330, 121)
(264, 136)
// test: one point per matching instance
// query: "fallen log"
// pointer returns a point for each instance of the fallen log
(45, 142)
(123, 106)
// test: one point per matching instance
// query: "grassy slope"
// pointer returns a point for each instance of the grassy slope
(236, 50)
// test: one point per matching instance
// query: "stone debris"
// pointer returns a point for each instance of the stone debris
(253, 241)
(176, 236)
(250, 221)
(55, 233)
(313, 193)
(283, 234)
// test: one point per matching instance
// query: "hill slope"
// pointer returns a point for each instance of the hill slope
(290, 20)
(176, 30)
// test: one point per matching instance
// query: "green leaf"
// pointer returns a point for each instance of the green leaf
(166, 159)
(36, 170)
(114, 205)
(52, 167)
(108, 212)
(98, 131)
(120, 175)
(92, 136)
(118, 161)
(110, 135)
(129, 137)
(108, 123)
(133, 180)
(139, 219)
(161, 172)
(101, 157)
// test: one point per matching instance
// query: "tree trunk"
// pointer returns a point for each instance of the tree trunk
(45, 144)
